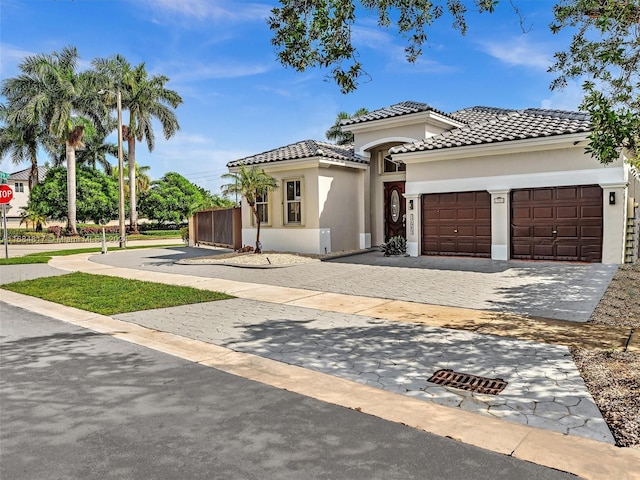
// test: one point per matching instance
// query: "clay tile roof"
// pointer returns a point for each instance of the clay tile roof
(402, 108)
(302, 150)
(479, 114)
(503, 126)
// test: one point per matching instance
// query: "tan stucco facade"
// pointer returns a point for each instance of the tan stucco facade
(332, 209)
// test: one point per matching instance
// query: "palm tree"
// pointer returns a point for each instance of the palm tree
(143, 181)
(145, 98)
(50, 91)
(250, 183)
(34, 218)
(20, 141)
(336, 134)
(93, 152)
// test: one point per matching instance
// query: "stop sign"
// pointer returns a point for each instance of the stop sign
(6, 194)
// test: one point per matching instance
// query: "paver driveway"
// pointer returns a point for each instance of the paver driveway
(565, 291)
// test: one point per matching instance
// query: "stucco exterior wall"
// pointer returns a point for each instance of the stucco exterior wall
(333, 211)
(341, 206)
(365, 140)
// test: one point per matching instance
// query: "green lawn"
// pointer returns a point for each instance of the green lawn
(111, 295)
(44, 257)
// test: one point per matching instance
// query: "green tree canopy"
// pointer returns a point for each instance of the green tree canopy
(172, 199)
(97, 196)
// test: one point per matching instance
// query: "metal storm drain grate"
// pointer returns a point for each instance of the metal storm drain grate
(465, 381)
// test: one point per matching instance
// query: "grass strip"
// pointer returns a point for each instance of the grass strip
(44, 257)
(24, 260)
(111, 295)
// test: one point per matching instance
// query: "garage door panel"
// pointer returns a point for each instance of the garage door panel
(522, 231)
(483, 231)
(592, 191)
(591, 212)
(567, 231)
(466, 233)
(543, 231)
(521, 195)
(430, 214)
(566, 223)
(567, 251)
(542, 194)
(542, 212)
(590, 231)
(457, 224)
(466, 214)
(567, 193)
(543, 250)
(483, 213)
(447, 198)
(567, 212)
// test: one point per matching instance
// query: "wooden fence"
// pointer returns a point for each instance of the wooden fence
(220, 227)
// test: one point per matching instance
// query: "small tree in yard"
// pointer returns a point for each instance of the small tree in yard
(250, 183)
(173, 198)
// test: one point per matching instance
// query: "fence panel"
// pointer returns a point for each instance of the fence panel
(222, 227)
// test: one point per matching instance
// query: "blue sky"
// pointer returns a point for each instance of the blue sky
(238, 100)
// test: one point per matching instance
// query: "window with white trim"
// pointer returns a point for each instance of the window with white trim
(386, 165)
(19, 187)
(262, 207)
(293, 201)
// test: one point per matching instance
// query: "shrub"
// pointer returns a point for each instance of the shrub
(184, 233)
(395, 246)
(55, 230)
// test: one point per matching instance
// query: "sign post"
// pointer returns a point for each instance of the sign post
(6, 194)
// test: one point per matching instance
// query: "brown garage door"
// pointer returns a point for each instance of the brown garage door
(456, 224)
(562, 223)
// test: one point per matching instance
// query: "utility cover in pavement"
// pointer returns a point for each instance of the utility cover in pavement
(466, 381)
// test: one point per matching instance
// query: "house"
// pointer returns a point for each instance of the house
(19, 182)
(482, 181)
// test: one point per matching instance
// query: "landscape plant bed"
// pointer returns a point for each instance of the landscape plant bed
(613, 378)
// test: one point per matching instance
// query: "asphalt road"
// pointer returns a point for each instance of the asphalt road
(80, 405)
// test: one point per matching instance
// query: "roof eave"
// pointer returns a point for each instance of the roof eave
(403, 120)
(307, 162)
(555, 142)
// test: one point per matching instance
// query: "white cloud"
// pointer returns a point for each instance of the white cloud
(569, 98)
(520, 51)
(212, 9)
(11, 57)
(185, 72)
(375, 38)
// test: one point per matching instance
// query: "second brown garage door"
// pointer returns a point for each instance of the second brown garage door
(561, 223)
(456, 224)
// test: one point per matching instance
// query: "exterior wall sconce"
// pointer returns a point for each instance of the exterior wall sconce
(410, 204)
(612, 198)
(498, 200)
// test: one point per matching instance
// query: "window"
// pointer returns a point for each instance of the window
(293, 201)
(262, 206)
(392, 167)
(19, 187)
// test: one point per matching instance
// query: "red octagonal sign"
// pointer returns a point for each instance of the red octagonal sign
(6, 194)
